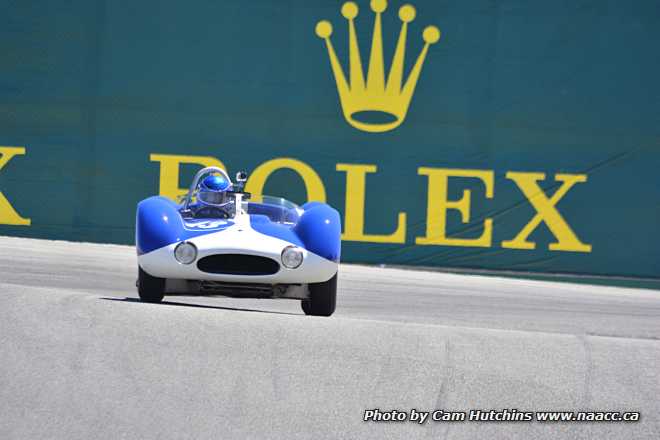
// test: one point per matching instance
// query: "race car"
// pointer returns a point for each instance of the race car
(219, 241)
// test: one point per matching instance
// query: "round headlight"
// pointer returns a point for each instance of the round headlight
(185, 252)
(292, 257)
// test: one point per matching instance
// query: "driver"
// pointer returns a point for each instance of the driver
(212, 199)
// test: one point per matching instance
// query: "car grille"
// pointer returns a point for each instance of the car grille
(238, 264)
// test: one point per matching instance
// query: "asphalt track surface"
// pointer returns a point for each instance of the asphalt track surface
(81, 358)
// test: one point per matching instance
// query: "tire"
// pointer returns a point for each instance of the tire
(151, 289)
(322, 298)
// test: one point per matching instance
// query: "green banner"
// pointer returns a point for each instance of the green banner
(487, 134)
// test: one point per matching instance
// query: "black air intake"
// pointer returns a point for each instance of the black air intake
(238, 264)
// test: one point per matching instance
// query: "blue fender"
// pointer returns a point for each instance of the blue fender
(310, 205)
(319, 228)
(158, 224)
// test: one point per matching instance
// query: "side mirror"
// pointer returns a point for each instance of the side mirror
(241, 176)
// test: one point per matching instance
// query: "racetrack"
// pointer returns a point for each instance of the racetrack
(81, 358)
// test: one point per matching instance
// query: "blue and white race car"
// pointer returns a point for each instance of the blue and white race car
(218, 241)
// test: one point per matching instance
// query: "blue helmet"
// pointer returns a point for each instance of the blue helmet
(212, 190)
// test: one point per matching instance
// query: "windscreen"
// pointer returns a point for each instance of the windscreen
(277, 209)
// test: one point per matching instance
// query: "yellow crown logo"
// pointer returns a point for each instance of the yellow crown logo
(376, 95)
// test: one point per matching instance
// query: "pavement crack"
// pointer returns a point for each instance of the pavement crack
(441, 430)
(588, 370)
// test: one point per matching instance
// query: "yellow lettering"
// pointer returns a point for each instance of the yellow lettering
(312, 181)
(169, 171)
(546, 212)
(9, 216)
(355, 198)
(438, 205)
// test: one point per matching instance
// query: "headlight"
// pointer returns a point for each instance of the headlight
(292, 257)
(185, 252)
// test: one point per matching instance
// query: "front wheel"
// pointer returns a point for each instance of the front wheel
(151, 289)
(322, 298)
